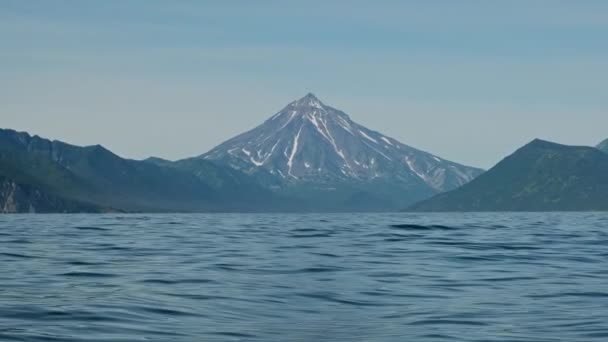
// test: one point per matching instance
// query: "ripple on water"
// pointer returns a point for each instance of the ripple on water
(81, 274)
(409, 226)
(18, 256)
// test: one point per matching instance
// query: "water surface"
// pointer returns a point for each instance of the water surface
(333, 277)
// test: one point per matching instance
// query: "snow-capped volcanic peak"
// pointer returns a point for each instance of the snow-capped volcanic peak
(308, 141)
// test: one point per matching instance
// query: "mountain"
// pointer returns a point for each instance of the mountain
(541, 176)
(317, 154)
(95, 178)
(24, 198)
(603, 146)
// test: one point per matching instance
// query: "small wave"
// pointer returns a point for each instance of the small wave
(305, 236)
(83, 263)
(19, 241)
(447, 322)
(487, 246)
(203, 297)
(166, 311)
(506, 279)
(330, 255)
(110, 248)
(87, 274)
(571, 294)
(235, 334)
(304, 230)
(90, 228)
(319, 269)
(408, 226)
(334, 299)
(18, 255)
(177, 281)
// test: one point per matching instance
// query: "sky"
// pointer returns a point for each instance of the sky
(470, 81)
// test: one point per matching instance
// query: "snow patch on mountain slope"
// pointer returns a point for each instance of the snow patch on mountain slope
(294, 149)
(387, 141)
(368, 137)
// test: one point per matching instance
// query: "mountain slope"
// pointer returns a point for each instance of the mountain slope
(25, 198)
(95, 175)
(603, 146)
(237, 190)
(541, 176)
(313, 151)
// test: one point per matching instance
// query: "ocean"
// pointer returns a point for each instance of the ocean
(304, 277)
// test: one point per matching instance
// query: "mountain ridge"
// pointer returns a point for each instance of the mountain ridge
(95, 175)
(603, 146)
(540, 176)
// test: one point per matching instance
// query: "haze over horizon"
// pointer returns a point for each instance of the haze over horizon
(469, 82)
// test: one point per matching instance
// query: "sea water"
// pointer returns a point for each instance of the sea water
(304, 277)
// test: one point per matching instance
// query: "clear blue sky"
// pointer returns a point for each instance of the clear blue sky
(467, 80)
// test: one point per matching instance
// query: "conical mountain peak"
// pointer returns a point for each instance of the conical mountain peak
(308, 101)
(308, 142)
(310, 97)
